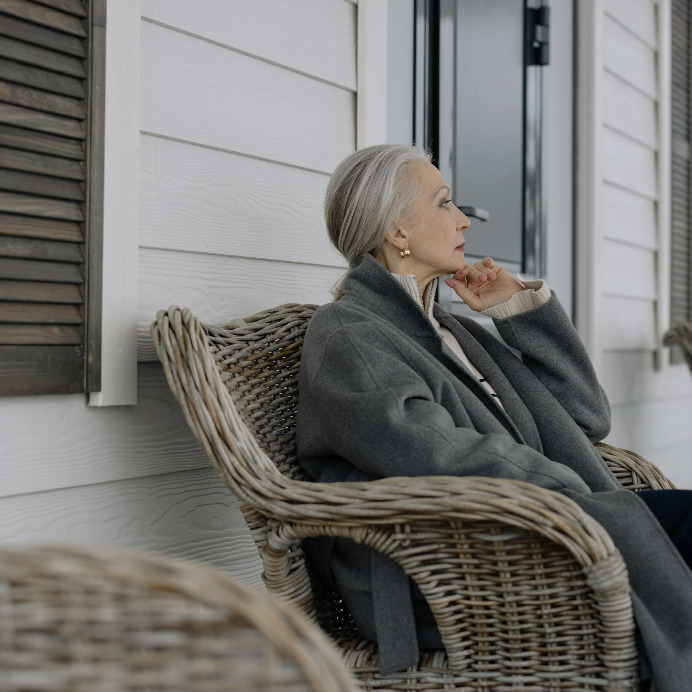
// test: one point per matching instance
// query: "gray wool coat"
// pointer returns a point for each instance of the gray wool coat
(382, 395)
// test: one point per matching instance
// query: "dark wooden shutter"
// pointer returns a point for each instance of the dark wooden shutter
(681, 184)
(44, 116)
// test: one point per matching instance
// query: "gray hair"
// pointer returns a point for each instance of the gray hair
(370, 191)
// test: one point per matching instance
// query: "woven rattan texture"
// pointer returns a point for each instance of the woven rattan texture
(120, 621)
(528, 591)
(681, 335)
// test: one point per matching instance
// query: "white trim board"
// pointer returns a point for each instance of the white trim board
(588, 174)
(371, 108)
(664, 156)
(120, 207)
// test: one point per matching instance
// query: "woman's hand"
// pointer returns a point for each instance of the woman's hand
(484, 285)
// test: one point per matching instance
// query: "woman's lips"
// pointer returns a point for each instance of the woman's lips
(460, 247)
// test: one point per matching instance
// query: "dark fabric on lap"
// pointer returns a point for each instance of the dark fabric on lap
(673, 509)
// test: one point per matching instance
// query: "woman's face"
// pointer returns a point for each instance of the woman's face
(435, 234)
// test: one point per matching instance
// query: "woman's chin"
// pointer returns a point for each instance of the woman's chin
(457, 266)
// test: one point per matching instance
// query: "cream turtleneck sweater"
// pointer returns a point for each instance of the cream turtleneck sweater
(536, 294)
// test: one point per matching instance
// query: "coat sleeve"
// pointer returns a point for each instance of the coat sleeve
(365, 404)
(552, 349)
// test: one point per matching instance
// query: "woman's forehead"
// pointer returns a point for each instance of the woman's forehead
(431, 178)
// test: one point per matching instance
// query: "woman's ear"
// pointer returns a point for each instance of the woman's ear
(398, 237)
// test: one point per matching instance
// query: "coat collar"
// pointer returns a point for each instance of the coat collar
(371, 286)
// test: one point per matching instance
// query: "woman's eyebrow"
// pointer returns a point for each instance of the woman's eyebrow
(440, 189)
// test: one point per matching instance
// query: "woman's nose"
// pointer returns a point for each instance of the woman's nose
(464, 221)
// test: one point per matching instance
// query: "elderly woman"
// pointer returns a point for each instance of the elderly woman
(392, 385)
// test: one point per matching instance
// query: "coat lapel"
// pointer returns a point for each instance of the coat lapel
(512, 403)
(371, 286)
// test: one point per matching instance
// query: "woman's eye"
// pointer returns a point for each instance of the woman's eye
(446, 202)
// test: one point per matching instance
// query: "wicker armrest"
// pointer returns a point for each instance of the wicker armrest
(77, 619)
(632, 470)
(474, 545)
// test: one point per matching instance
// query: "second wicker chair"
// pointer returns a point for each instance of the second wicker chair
(77, 620)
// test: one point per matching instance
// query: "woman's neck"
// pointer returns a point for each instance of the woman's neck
(399, 265)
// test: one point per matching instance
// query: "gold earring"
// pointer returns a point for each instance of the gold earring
(404, 253)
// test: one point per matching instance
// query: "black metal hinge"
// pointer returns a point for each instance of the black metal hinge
(537, 35)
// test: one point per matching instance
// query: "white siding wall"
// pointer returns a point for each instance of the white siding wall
(623, 227)
(246, 109)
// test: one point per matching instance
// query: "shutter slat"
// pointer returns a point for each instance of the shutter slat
(39, 334)
(42, 57)
(41, 100)
(40, 206)
(40, 143)
(16, 181)
(39, 313)
(41, 79)
(44, 16)
(44, 109)
(40, 292)
(680, 165)
(43, 122)
(40, 36)
(41, 164)
(41, 370)
(75, 7)
(48, 229)
(34, 270)
(30, 248)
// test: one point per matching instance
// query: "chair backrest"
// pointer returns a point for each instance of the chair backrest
(680, 334)
(238, 387)
(255, 364)
(73, 619)
(259, 361)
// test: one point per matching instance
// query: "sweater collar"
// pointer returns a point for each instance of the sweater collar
(424, 298)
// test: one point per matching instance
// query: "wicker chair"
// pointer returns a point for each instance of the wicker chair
(680, 334)
(529, 592)
(79, 620)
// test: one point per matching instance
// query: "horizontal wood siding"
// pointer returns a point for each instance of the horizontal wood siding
(639, 280)
(197, 199)
(316, 37)
(246, 109)
(149, 439)
(629, 164)
(629, 111)
(218, 288)
(203, 93)
(676, 461)
(629, 177)
(670, 418)
(646, 385)
(627, 216)
(637, 16)
(186, 514)
(627, 56)
(651, 407)
(626, 324)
